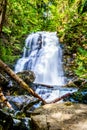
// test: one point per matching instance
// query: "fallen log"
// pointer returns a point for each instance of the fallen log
(19, 80)
(4, 99)
(60, 98)
(44, 85)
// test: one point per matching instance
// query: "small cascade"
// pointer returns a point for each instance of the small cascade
(43, 55)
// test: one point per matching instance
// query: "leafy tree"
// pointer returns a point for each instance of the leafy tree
(67, 17)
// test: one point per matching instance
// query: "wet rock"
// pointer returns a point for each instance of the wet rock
(3, 81)
(13, 120)
(81, 95)
(21, 124)
(10, 122)
(22, 103)
(27, 75)
(16, 124)
(6, 121)
(62, 116)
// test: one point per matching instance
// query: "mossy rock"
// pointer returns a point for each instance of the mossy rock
(27, 75)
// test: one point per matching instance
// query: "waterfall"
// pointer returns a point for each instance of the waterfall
(43, 55)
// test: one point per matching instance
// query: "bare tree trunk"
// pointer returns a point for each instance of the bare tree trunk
(19, 80)
(3, 5)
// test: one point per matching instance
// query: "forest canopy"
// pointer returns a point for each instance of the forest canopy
(67, 17)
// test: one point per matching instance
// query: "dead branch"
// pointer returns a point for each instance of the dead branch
(4, 100)
(60, 98)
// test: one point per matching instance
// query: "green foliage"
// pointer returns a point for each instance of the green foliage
(70, 2)
(68, 18)
(81, 62)
(72, 30)
(82, 8)
(27, 16)
(6, 53)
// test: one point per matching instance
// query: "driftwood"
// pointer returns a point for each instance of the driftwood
(19, 80)
(4, 100)
(60, 98)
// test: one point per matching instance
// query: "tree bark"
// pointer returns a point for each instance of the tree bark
(3, 5)
(60, 98)
(4, 100)
(19, 80)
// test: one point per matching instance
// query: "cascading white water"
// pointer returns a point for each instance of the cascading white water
(43, 55)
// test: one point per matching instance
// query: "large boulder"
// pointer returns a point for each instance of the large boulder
(27, 75)
(60, 116)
